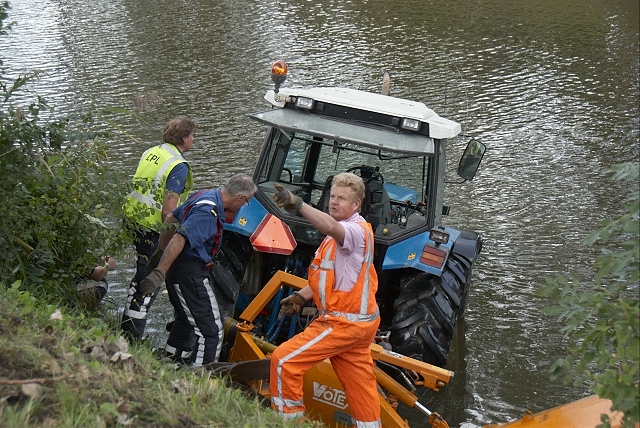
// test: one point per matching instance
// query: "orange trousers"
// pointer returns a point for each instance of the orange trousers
(346, 344)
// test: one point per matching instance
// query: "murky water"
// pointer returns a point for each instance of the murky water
(551, 87)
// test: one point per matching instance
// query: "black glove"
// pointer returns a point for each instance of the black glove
(287, 200)
(291, 305)
(152, 282)
(153, 262)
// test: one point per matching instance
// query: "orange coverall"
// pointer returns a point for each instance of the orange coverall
(343, 331)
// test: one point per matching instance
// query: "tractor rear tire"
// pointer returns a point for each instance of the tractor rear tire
(426, 311)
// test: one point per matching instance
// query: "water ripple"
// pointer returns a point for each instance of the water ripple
(551, 88)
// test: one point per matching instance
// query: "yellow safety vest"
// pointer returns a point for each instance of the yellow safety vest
(144, 204)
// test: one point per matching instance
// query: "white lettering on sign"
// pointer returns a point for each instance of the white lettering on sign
(331, 396)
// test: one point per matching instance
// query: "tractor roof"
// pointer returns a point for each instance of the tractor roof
(439, 127)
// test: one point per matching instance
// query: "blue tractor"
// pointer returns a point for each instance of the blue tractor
(398, 147)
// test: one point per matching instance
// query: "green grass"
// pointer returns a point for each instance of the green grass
(65, 373)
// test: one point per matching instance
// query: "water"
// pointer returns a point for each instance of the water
(551, 88)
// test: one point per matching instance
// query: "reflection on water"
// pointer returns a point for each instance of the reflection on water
(550, 87)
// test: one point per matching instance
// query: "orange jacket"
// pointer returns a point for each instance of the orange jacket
(359, 304)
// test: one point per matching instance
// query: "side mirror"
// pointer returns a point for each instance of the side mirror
(470, 160)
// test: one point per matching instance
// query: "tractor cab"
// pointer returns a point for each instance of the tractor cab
(395, 145)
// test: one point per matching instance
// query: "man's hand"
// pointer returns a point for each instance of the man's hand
(152, 282)
(291, 305)
(287, 200)
(153, 262)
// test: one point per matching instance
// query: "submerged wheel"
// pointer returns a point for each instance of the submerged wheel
(426, 311)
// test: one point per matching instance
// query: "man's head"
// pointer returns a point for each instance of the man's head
(347, 194)
(238, 192)
(179, 132)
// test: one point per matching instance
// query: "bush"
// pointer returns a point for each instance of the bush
(61, 203)
(601, 317)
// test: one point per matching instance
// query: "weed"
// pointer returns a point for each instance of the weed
(67, 369)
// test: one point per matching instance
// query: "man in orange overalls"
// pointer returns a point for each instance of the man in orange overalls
(343, 284)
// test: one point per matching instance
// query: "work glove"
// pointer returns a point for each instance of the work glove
(287, 200)
(153, 262)
(291, 305)
(152, 282)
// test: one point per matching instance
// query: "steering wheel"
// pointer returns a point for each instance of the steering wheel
(288, 171)
(375, 173)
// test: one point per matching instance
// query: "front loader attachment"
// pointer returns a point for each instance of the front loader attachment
(324, 397)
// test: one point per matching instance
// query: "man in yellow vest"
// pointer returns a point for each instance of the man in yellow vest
(162, 181)
(343, 284)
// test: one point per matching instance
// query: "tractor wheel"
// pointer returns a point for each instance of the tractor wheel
(426, 311)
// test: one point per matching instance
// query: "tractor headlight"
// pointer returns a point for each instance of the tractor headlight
(305, 103)
(410, 124)
(439, 236)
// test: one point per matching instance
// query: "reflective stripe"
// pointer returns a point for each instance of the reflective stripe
(322, 282)
(197, 361)
(291, 416)
(368, 258)
(290, 356)
(148, 199)
(279, 401)
(374, 424)
(142, 313)
(139, 315)
(354, 317)
(172, 350)
(325, 264)
(216, 313)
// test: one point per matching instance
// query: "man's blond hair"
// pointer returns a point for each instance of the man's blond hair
(349, 179)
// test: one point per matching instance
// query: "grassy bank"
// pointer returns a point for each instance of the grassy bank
(64, 369)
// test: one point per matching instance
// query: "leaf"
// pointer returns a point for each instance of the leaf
(57, 315)
(600, 316)
(591, 238)
(95, 220)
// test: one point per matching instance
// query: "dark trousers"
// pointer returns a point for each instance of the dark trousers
(134, 317)
(197, 333)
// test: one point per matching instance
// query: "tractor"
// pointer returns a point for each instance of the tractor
(398, 147)
(424, 268)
